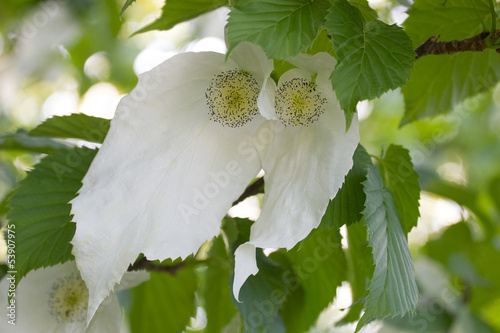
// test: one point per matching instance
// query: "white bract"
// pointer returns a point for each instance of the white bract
(169, 168)
(186, 142)
(55, 300)
(305, 160)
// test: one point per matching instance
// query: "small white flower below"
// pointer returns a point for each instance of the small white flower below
(55, 299)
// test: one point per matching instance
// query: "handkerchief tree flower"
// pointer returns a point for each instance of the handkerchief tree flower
(170, 166)
(305, 161)
(187, 141)
(54, 299)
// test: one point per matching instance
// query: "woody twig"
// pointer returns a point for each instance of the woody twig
(476, 43)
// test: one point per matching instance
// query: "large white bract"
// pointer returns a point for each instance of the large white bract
(54, 299)
(186, 142)
(167, 173)
(305, 159)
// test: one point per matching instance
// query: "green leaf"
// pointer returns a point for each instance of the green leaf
(364, 7)
(75, 126)
(393, 290)
(373, 57)
(283, 28)
(214, 288)
(431, 92)
(401, 179)
(360, 269)
(4, 209)
(459, 19)
(262, 297)
(127, 4)
(21, 141)
(466, 321)
(177, 11)
(165, 303)
(320, 265)
(347, 205)
(3, 270)
(40, 209)
(321, 43)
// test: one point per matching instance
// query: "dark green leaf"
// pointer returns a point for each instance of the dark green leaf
(373, 57)
(40, 209)
(21, 141)
(4, 204)
(360, 263)
(3, 270)
(320, 265)
(214, 288)
(365, 9)
(347, 205)
(177, 11)
(494, 191)
(283, 28)
(393, 290)
(127, 4)
(402, 180)
(75, 126)
(237, 231)
(164, 303)
(262, 297)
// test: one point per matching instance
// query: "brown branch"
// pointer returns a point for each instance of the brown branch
(473, 44)
(144, 263)
(255, 188)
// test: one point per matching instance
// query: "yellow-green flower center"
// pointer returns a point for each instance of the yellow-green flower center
(68, 299)
(299, 103)
(232, 98)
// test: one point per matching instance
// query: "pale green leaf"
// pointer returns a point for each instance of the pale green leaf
(40, 209)
(283, 28)
(177, 11)
(373, 57)
(402, 180)
(164, 303)
(23, 142)
(439, 83)
(459, 19)
(127, 4)
(393, 290)
(74, 126)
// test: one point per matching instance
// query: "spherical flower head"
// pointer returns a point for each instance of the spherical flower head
(232, 98)
(298, 102)
(68, 299)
